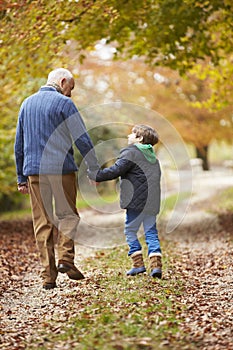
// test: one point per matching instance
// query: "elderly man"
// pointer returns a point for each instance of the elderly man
(48, 123)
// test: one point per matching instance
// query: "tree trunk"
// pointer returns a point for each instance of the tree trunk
(202, 152)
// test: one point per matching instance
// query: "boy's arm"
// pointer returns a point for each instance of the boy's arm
(120, 167)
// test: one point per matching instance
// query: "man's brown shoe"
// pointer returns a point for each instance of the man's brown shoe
(71, 270)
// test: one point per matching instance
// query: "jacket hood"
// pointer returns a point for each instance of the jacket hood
(147, 151)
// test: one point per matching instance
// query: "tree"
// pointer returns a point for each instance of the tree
(162, 90)
(173, 33)
(36, 36)
(198, 125)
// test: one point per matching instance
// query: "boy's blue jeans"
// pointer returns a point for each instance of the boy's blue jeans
(133, 221)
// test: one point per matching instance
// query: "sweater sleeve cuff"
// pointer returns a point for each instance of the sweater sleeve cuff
(22, 179)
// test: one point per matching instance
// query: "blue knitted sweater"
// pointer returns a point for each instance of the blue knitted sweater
(48, 124)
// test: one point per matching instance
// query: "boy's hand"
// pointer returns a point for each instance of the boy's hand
(93, 183)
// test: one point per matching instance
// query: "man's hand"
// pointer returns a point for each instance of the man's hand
(91, 175)
(23, 188)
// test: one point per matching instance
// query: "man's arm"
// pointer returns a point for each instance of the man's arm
(80, 136)
(19, 156)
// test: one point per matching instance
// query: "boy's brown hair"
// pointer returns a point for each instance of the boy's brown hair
(149, 134)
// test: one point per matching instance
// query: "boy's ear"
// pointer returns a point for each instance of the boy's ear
(140, 138)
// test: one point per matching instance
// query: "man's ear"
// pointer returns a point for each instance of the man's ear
(62, 82)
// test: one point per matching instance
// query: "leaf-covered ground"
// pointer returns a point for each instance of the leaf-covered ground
(190, 308)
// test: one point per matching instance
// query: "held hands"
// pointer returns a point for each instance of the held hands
(91, 175)
(23, 188)
(93, 183)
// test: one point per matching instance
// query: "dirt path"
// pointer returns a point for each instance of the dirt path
(204, 247)
(202, 252)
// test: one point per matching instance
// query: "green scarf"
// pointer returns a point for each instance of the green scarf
(148, 151)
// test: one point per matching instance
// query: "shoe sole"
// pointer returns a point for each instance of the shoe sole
(133, 273)
(156, 274)
(48, 287)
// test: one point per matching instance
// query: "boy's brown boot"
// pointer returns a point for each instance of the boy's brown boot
(138, 264)
(155, 265)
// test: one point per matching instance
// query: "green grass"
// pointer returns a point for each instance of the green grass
(222, 202)
(225, 200)
(119, 312)
(16, 214)
(81, 204)
(99, 201)
(169, 203)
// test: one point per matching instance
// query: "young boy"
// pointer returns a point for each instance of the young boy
(139, 194)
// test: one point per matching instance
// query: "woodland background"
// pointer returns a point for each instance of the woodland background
(168, 63)
(170, 56)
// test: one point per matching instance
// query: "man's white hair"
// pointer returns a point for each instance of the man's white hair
(59, 73)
